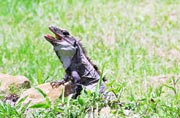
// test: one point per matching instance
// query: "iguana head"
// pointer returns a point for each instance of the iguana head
(64, 45)
(60, 36)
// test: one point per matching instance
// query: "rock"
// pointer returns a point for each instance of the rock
(34, 96)
(101, 113)
(130, 114)
(12, 84)
(127, 112)
(105, 112)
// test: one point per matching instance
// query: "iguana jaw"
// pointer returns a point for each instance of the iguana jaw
(49, 38)
(57, 33)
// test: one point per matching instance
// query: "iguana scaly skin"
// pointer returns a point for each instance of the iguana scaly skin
(79, 69)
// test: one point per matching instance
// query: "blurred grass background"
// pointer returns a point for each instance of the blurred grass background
(133, 39)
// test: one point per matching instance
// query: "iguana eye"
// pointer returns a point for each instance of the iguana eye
(65, 32)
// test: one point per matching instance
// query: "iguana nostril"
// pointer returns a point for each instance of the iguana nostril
(55, 29)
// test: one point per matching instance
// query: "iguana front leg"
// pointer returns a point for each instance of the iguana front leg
(77, 88)
(56, 84)
(75, 77)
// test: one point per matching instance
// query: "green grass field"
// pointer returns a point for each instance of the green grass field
(135, 41)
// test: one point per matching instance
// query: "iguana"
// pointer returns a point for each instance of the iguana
(78, 67)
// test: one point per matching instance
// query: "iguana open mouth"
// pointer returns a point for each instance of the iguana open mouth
(57, 35)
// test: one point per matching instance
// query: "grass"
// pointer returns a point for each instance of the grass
(134, 40)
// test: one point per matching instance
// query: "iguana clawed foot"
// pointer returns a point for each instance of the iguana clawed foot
(56, 84)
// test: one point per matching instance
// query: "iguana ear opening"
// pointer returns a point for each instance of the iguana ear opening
(75, 44)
